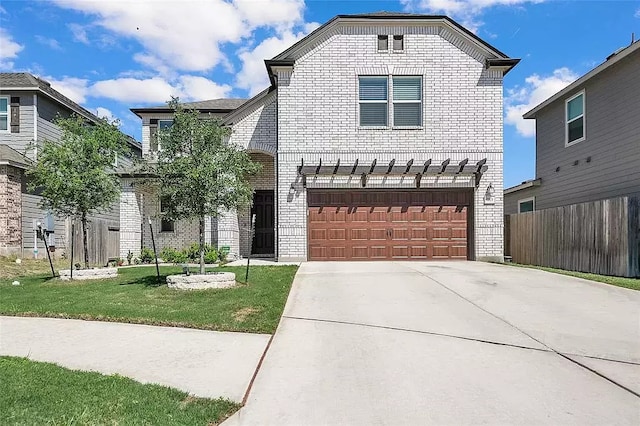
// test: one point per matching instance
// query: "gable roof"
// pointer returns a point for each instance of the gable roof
(496, 58)
(23, 81)
(610, 61)
(222, 105)
(11, 157)
(391, 16)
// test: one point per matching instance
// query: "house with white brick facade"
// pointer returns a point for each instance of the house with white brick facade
(380, 138)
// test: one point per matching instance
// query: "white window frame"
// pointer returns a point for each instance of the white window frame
(387, 102)
(526, 200)
(393, 47)
(378, 43)
(160, 120)
(419, 101)
(583, 116)
(8, 113)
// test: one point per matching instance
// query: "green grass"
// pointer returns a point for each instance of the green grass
(631, 283)
(37, 393)
(135, 297)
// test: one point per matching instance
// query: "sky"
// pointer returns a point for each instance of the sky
(110, 56)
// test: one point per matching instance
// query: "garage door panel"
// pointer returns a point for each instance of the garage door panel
(378, 234)
(337, 234)
(384, 225)
(359, 234)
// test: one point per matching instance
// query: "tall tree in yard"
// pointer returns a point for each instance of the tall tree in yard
(74, 174)
(199, 172)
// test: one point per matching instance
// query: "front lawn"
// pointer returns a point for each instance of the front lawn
(38, 393)
(135, 297)
(632, 283)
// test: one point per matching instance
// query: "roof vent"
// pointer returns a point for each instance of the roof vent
(615, 53)
(44, 81)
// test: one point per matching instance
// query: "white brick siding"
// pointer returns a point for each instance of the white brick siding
(318, 118)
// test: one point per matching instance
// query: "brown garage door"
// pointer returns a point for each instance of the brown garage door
(385, 225)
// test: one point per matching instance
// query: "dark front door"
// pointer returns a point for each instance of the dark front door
(264, 235)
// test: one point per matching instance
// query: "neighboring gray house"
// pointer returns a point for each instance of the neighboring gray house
(381, 138)
(587, 139)
(28, 108)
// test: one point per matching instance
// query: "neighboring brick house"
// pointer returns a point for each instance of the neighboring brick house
(28, 108)
(381, 137)
(587, 139)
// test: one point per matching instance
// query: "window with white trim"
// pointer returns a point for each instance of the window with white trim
(398, 43)
(526, 205)
(575, 127)
(374, 103)
(407, 101)
(5, 111)
(383, 43)
(163, 126)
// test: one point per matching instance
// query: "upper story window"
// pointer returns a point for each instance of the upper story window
(4, 114)
(383, 42)
(373, 100)
(575, 123)
(407, 101)
(398, 43)
(162, 125)
(526, 205)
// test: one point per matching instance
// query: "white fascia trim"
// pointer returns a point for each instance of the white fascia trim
(597, 70)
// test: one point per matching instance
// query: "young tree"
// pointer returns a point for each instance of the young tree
(198, 172)
(73, 174)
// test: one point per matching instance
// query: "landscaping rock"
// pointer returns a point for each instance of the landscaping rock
(89, 274)
(201, 282)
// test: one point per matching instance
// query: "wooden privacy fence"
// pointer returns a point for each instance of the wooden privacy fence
(601, 237)
(103, 240)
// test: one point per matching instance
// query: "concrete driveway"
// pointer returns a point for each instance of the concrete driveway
(449, 343)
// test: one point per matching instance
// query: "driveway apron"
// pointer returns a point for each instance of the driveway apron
(406, 343)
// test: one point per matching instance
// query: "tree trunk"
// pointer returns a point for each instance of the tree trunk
(84, 240)
(202, 244)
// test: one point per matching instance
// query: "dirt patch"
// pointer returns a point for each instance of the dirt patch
(188, 400)
(243, 313)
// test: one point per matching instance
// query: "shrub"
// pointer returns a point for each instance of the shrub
(211, 256)
(147, 255)
(169, 254)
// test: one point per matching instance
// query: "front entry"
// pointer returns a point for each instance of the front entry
(388, 225)
(264, 234)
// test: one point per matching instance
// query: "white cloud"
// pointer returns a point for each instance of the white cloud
(79, 33)
(637, 14)
(104, 113)
(51, 43)
(253, 75)
(158, 90)
(9, 49)
(73, 88)
(467, 11)
(537, 89)
(200, 88)
(189, 37)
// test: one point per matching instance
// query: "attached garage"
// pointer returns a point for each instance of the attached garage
(389, 225)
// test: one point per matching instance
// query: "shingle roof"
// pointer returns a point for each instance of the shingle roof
(12, 157)
(27, 81)
(23, 80)
(220, 104)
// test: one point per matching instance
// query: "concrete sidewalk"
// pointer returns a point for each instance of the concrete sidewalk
(395, 343)
(204, 363)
